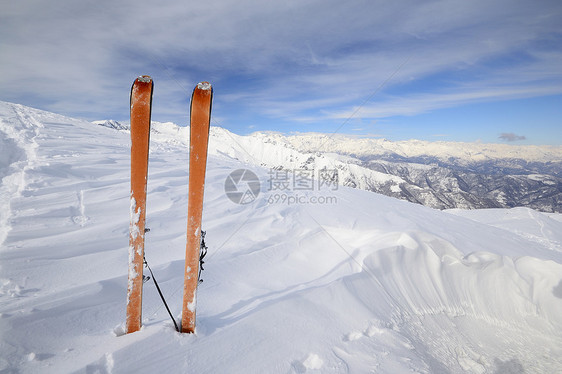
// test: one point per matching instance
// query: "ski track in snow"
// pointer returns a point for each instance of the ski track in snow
(367, 284)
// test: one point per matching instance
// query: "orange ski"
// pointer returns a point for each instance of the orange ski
(141, 105)
(200, 123)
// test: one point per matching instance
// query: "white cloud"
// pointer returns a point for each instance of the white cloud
(288, 59)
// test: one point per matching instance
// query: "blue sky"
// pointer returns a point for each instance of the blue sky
(487, 71)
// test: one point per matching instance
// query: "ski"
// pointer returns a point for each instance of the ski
(200, 117)
(141, 107)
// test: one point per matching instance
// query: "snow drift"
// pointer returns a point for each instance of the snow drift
(356, 283)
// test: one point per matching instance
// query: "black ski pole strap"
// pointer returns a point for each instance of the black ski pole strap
(202, 254)
(161, 295)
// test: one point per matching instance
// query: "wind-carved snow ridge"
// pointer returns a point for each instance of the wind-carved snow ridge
(18, 129)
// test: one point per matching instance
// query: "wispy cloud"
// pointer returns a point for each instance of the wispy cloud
(511, 137)
(285, 60)
(413, 104)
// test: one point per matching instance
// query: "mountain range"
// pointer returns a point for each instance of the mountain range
(441, 175)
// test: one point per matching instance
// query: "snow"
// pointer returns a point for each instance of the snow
(204, 86)
(144, 79)
(367, 283)
(192, 304)
(365, 147)
(134, 215)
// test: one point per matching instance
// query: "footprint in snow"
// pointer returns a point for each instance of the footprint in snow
(311, 362)
(369, 332)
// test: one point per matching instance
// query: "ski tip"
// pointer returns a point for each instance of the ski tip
(144, 79)
(206, 86)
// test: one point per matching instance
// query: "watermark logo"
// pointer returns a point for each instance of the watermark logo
(242, 186)
(292, 199)
(296, 186)
(303, 180)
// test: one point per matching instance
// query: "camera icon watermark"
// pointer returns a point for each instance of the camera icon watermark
(242, 186)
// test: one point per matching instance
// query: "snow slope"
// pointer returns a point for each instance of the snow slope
(356, 282)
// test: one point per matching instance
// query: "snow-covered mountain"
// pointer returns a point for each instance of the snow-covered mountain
(321, 280)
(440, 175)
(456, 175)
(364, 148)
(437, 174)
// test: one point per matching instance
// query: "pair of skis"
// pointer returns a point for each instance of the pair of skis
(200, 115)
